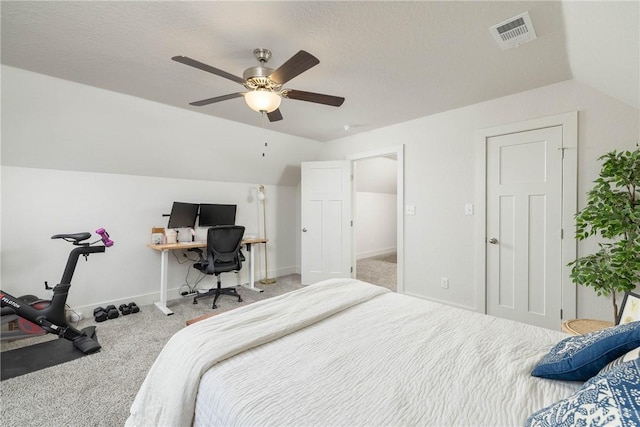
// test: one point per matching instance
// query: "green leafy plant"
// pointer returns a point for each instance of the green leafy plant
(613, 213)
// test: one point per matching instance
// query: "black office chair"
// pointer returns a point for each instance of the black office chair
(223, 255)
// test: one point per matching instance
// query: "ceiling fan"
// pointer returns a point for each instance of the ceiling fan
(264, 85)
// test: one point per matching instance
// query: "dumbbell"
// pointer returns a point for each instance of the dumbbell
(100, 314)
(133, 307)
(125, 309)
(112, 313)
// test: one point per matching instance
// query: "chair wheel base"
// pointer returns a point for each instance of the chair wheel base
(216, 293)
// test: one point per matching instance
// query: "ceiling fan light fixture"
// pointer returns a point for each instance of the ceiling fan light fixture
(264, 86)
(261, 100)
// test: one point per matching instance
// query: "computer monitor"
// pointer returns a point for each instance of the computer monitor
(214, 214)
(183, 215)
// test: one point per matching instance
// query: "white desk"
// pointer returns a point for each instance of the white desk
(164, 261)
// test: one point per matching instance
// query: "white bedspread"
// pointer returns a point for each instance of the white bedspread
(167, 396)
(393, 360)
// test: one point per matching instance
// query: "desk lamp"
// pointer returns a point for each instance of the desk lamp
(263, 198)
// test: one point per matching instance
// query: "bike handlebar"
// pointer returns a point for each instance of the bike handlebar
(105, 237)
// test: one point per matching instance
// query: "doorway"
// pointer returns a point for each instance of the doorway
(374, 215)
(377, 197)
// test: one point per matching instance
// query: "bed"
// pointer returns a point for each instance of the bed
(344, 352)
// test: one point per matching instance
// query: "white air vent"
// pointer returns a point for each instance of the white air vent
(514, 32)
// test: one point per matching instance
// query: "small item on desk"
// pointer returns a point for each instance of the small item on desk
(171, 236)
(157, 235)
(185, 235)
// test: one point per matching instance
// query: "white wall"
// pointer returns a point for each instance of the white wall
(375, 206)
(440, 179)
(38, 203)
(75, 158)
(375, 224)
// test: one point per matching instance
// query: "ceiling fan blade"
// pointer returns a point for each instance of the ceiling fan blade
(275, 115)
(216, 99)
(296, 65)
(334, 101)
(208, 68)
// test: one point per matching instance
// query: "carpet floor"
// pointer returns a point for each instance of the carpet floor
(380, 270)
(98, 389)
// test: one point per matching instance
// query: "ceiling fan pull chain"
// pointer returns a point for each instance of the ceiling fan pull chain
(264, 117)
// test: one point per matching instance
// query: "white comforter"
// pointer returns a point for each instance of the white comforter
(377, 358)
(167, 396)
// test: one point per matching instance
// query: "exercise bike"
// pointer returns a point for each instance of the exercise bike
(30, 316)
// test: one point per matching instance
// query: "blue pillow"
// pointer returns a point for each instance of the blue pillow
(612, 398)
(580, 357)
(629, 356)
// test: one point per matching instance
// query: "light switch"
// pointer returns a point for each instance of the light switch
(410, 209)
(468, 209)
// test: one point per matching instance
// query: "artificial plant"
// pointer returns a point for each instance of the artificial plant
(613, 213)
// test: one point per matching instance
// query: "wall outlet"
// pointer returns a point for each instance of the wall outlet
(410, 209)
(444, 282)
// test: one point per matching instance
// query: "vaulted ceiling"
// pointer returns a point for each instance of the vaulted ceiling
(392, 61)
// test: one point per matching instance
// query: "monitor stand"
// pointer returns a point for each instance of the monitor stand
(185, 235)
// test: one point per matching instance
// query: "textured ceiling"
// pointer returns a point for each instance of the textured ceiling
(392, 61)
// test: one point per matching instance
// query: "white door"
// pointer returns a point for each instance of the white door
(326, 220)
(524, 225)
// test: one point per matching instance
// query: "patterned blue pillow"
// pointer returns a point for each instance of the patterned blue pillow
(611, 399)
(580, 357)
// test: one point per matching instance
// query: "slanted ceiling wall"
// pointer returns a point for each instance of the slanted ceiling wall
(57, 124)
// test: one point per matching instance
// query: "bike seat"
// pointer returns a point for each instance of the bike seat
(77, 237)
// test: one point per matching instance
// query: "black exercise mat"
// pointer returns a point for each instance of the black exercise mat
(36, 357)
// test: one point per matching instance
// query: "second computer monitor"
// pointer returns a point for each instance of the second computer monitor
(215, 214)
(183, 215)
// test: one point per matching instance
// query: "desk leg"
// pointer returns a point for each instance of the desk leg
(251, 284)
(162, 304)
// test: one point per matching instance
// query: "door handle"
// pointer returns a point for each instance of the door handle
(304, 230)
(493, 240)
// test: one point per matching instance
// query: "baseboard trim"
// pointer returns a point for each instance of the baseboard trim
(377, 252)
(174, 293)
(439, 301)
